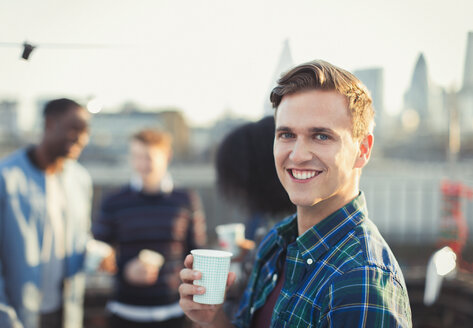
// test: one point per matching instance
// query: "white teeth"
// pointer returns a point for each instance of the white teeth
(303, 175)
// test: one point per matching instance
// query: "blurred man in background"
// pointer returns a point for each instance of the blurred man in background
(45, 200)
(149, 214)
(247, 177)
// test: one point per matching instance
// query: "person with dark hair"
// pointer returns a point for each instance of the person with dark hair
(151, 215)
(246, 172)
(327, 265)
(246, 176)
(45, 202)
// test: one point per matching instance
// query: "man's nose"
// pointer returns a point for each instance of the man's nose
(300, 152)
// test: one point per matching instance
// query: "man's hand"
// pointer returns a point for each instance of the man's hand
(202, 314)
(108, 264)
(140, 273)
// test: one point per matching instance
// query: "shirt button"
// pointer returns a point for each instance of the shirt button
(252, 310)
(310, 261)
(275, 278)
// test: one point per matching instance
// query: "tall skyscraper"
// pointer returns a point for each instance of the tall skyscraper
(417, 96)
(468, 71)
(284, 63)
(373, 79)
(427, 100)
(465, 96)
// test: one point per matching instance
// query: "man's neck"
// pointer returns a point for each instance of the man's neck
(45, 161)
(151, 187)
(308, 216)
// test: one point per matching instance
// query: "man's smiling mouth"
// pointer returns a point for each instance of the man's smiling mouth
(303, 174)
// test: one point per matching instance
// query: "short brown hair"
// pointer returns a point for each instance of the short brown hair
(319, 74)
(152, 137)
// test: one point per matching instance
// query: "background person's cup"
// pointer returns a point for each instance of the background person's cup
(151, 257)
(96, 251)
(214, 266)
(229, 236)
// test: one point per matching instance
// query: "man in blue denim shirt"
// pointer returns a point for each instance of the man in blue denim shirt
(45, 199)
(327, 265)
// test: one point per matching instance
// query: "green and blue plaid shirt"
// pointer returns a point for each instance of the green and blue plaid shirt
(339, 273)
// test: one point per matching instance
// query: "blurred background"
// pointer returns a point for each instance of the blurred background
(199, 69)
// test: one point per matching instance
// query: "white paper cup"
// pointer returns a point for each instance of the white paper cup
(151, 257)
(229, 235)
(96, 252)
(214, 266)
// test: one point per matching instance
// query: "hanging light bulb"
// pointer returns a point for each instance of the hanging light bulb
(27, 50)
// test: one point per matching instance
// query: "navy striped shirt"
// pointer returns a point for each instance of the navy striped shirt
(169, 223)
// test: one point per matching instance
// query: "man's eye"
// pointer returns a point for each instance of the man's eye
(286, 135)
(322, 137)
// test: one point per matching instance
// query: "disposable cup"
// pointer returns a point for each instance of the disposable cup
(229, 236)
(214, 266)
(151, 257)
(96, 251)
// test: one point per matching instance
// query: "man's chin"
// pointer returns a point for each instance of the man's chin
(73, 155)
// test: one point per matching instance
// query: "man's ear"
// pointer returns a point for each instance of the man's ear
(364, 151)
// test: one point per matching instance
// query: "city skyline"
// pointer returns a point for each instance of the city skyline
(212, 57)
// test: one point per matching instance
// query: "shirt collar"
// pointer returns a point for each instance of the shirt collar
(166, 185)
(327, 233)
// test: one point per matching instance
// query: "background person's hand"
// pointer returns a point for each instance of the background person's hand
(108, 264)
(140, 273)
(203, 314)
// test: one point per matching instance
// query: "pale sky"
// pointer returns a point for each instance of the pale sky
(206, 57)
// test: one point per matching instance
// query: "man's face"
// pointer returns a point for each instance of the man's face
(316, 157)
(149, 161)
(68, 133)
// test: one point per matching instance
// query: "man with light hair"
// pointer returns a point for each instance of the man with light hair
(327, 265)
(149, 214)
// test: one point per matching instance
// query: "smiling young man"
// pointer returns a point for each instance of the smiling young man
(327, 265)
(45, 202)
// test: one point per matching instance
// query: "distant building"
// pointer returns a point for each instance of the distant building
(10, 136)
(285, 62)
(204, 141)
(465, 95)
(373, 79)
(9, 118)
(424, 102)
(110, 134)
(173, 121)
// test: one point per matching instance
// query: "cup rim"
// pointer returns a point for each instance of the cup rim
(211, 253)
(230, 226)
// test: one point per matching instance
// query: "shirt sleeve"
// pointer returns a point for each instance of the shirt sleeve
(197, 234)
(8, 315)
(366, 297)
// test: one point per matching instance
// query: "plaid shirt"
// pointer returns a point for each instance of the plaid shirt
(339, 273)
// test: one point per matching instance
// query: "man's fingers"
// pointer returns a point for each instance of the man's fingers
(189, 275)
(188, 261)
(231, 279)
(187, 290)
